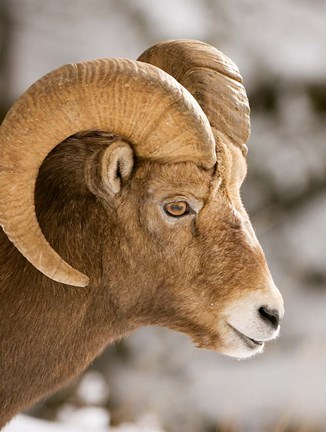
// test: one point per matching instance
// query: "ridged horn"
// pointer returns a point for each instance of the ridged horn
(213, 79)
(139, 102)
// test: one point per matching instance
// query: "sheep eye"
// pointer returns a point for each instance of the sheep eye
(177, 208)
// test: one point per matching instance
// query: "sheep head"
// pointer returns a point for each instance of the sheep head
(177, 246)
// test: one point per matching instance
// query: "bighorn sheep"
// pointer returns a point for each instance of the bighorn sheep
(130, 172)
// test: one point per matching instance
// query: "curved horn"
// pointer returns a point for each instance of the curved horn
(140, 102)
(213, 79)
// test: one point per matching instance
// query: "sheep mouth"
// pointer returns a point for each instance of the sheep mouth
(249, 342)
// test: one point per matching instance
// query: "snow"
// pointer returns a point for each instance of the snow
(188, 18)
(281, 39)
(23, 423)
(85, 422)
(93, 389)
(87, 418)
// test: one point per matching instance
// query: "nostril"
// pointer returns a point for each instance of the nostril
(270, 315)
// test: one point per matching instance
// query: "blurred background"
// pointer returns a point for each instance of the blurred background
(155, 380)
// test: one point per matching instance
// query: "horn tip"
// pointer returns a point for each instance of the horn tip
(77, 280)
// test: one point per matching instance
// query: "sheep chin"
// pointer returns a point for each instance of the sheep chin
(237, 345)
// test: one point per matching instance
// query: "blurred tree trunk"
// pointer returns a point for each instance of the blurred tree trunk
(5, 50)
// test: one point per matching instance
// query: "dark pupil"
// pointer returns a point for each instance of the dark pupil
(176, 209)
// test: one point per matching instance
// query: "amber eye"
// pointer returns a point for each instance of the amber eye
(176, 208)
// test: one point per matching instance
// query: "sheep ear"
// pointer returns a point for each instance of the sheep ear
(116, 166)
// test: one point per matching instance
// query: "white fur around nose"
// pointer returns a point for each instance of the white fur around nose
(244, 316)
(242, 320)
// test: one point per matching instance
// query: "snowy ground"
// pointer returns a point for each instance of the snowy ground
(85, 421)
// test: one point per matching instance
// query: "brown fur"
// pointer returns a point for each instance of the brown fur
(142, 269)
